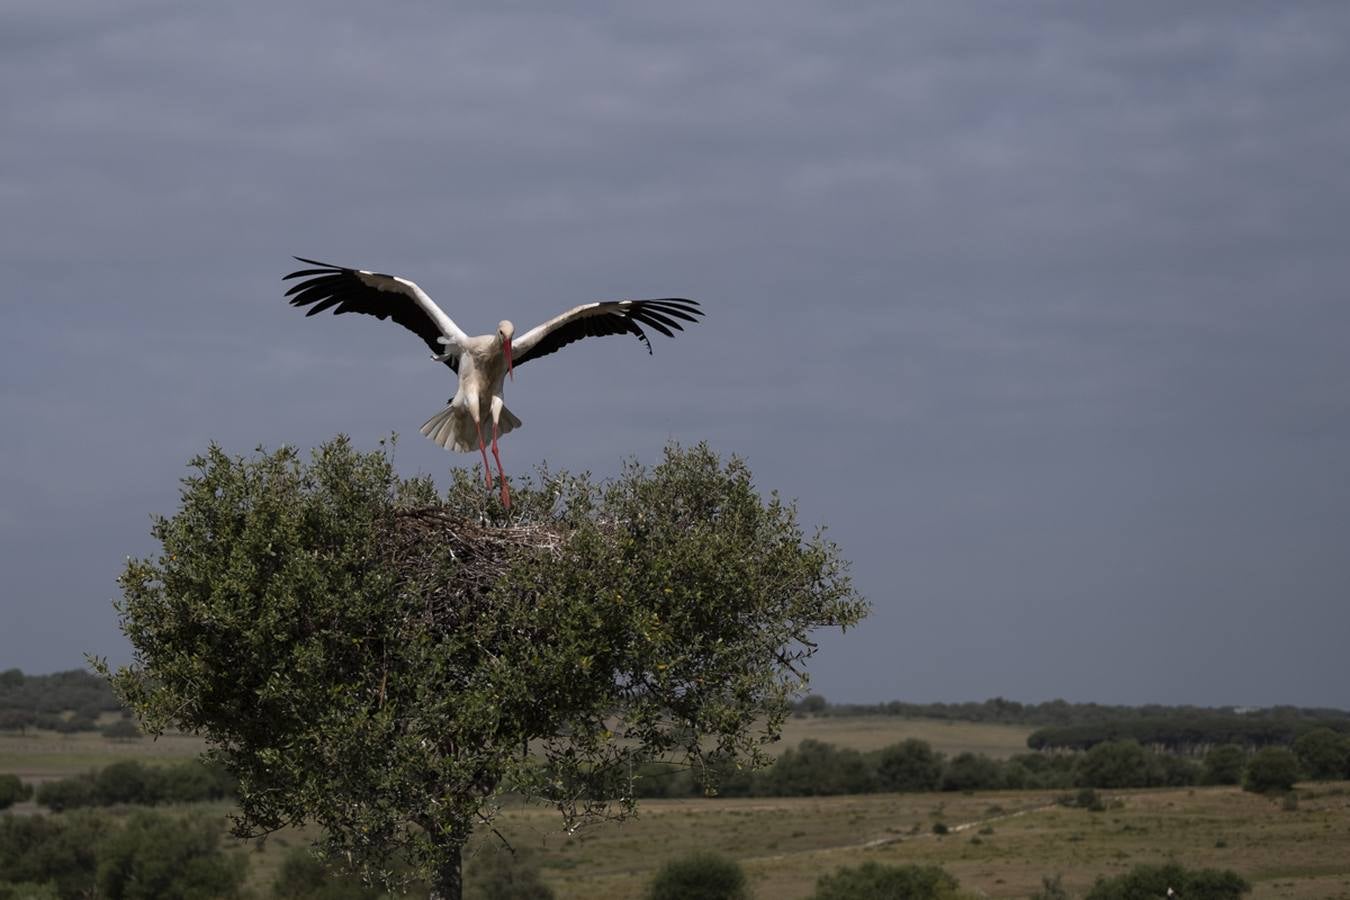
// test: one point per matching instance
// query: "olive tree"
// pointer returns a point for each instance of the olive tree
(366, 654)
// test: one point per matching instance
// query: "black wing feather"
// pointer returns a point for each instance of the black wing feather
(326, 287)
(663, 315)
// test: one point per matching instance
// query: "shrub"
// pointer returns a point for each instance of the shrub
(1038, 771)
(1151, 882)
(302, 877)
(818, 768)
(699, 876)
(155, 856)
(1224, 765)
(122, 730)
(67, 793)
(972, 772)
(874, 881)
(126, 782)
(13, 790)
(194, 782)
(131, 782)
(911, 765)
(1114, 764)
(55, 849)
(1324, 754)
(1172, 771)
(1273, 769)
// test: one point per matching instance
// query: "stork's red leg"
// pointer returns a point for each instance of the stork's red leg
(506, 495)
(482, 448)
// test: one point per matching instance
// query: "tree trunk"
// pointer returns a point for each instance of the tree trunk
(449, 882)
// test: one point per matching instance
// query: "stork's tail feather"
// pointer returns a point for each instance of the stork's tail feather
(454, 429)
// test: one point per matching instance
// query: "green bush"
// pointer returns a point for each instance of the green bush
(194, 782)
(1039, 771)
(699, 876)
(1271, 770)
(56, 849)
(1224, 765)
(13, 790)
(661, 779)
(131, 782)
(126, 782)
(972, 772)
(817, 768)
(122, 730)
(67, 793)
(1324, 754)
(874, 881)
(153, 857)
(302, 877)
(1114, 764)
(1152, 882)
(911, 765)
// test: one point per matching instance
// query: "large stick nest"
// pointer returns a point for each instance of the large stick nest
(453, 562)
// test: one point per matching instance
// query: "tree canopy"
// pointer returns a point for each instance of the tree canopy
(364, 653)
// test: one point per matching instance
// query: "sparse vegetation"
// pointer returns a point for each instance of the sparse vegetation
(1052, 888)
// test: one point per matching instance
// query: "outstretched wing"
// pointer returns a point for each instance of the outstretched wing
(382, 296)
(605, 317)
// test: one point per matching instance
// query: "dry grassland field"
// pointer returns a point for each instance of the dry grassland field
(44, 755)
(1000, 844)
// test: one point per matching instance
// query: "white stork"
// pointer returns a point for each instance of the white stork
(482, 363)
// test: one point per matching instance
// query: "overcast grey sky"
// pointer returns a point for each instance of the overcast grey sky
(1040, 307)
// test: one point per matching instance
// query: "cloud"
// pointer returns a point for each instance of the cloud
(1017, 298)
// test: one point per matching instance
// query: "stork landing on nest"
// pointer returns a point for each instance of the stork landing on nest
(483, 363)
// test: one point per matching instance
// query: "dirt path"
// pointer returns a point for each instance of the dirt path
(951, 829)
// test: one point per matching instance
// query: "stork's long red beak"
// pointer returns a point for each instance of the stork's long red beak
(506, 347)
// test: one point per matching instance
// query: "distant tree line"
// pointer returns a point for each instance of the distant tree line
(1187, 735)
(1060, 712)
(816, 768)
(63, 701)
(1190, 730)
(133, 783)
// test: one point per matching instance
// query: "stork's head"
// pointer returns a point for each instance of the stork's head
(505, 331)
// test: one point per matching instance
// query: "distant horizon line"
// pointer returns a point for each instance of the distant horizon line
(1240, 708)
